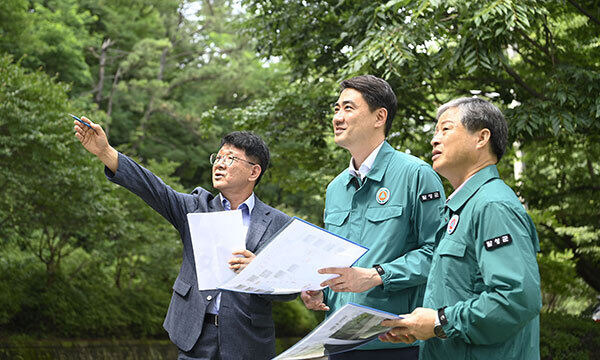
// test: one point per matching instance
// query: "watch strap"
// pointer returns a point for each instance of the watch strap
(442, 316)
(440, 321)
(379, 269)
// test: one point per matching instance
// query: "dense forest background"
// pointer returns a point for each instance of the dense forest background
(82, 258)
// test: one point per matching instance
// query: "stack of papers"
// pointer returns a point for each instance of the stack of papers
(287, 265)
(348, 328)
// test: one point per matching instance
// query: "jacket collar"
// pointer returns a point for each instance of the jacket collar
(379, 165)
(472, 186)
(259, 221)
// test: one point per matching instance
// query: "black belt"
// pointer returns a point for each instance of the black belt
(211, 319)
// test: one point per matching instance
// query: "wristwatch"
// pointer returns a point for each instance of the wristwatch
(379, 269)
(440, 321)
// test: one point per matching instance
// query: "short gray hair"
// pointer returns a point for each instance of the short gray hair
(477, 114)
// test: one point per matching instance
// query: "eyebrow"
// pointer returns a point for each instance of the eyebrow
(443, 122)
(345, 102)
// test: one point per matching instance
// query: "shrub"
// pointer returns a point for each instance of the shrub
(567, 337)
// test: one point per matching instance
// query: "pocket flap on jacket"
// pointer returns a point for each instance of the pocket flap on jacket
(181, 287)
(336, 218)
(376, 214)
(261, 320)
(452, 248)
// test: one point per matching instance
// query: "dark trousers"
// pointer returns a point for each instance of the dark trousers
(410, 353)
(207, 346)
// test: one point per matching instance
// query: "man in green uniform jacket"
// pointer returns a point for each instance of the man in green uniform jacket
(483, 293)
(388, 201)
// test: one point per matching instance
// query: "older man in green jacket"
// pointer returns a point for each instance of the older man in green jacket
(483, 293)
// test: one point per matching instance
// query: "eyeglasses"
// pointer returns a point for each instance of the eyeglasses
(228, 159)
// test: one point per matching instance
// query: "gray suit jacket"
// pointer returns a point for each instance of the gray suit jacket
(246, 329)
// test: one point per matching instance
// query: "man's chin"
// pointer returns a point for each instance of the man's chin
(340, 140)
(438, 167)
(217, 184)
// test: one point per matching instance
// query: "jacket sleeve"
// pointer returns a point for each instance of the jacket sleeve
(412, 268)
(172, 205)
(512, 296)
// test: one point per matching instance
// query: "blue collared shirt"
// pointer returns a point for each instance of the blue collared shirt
(246, 207)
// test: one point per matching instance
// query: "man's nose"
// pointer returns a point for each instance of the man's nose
(435, 140)
(221, 163)
(338, 117)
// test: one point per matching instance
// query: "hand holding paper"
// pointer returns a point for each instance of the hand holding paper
(238, 263)
(418, 325)
(313, 300)
(353, 279)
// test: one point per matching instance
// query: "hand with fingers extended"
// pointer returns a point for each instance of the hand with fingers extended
(417, 325)
(313, 300)
(353, 279)
(94, 140)
(238, 263)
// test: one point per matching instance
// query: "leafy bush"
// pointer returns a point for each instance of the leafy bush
(292, 318)
(567, 337)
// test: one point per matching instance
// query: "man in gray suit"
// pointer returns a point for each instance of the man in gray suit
(208, 324)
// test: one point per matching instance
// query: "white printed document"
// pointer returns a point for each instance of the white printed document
(349, 327)
(289, 263)
(215, 235)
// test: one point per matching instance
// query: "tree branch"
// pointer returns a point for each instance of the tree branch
(209, 7)
(549, 41)
(526, 57)
(189, 79)
(537, 45)
(584, 12)
(520, 81)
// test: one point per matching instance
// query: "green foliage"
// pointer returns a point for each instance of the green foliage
(293, 319)
(14, 269)
(568, 337)
(55, 41)
(561, 180)
(14, 24)
(44, 173)
(562, 290)
(302, 152)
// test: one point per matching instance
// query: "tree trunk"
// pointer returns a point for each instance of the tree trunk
(102, 65)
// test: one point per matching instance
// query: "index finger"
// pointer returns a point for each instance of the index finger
(312, 292)
(244, 252)
(332, 270)
(399, 322)
(87, 120)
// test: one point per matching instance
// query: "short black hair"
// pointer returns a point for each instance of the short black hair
(254, 147)
(377, 93)
(477, 114)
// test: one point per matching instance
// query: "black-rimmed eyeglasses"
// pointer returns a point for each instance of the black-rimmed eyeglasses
(228, 159)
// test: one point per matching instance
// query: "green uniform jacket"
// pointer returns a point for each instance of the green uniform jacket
(484, 270)
(399, 229)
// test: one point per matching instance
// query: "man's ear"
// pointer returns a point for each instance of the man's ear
(381, 115)
(256, 170)
(483, 138)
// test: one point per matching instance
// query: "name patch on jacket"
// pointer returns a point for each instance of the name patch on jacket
(497, 242)
(431, 196)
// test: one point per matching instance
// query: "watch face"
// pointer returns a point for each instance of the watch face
(438, 330)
